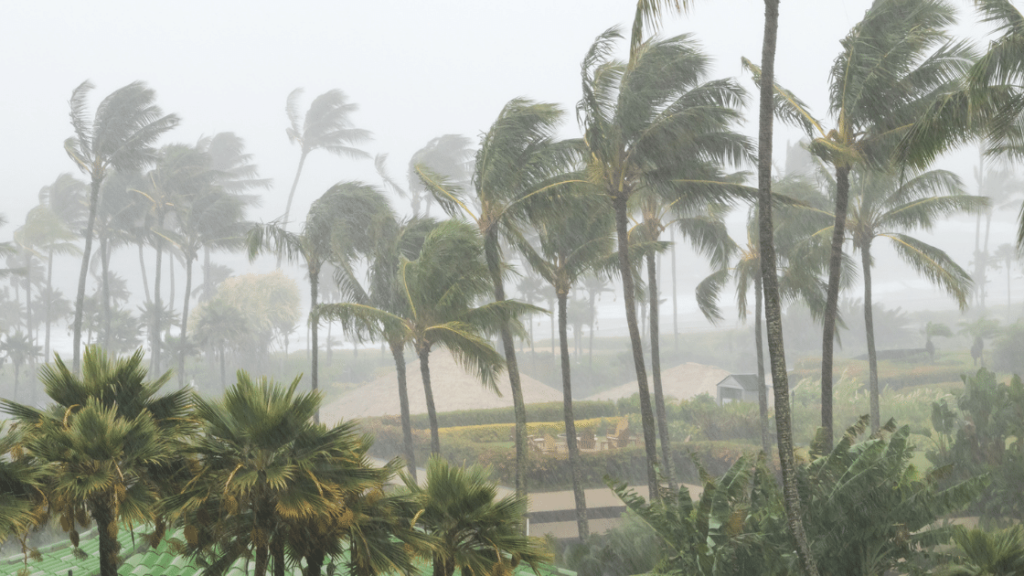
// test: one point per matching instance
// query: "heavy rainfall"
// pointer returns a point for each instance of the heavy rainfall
(555, 288)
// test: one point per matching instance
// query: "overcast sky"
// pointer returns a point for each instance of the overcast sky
(416, 69)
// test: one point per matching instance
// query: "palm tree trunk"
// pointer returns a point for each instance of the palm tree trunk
(1009, 271)
(291, 196)
(154, 332)
(493, 258)
(590, 344)
(49, 302)
(261, 561)
(142, 268)
(629, 300)
(314, 325)
(94, 195)
(435, 439)
(773, 308)
(103, 516)
(223, 376)
(570, 423)
(835, 264)
(985, 257)
(659, 395)
(105, 263)
(314, 563)
(675, 305)
(184, 321)
(398, 353)
(28, 308)
(762, 392)
(277, 551)
(869, 326)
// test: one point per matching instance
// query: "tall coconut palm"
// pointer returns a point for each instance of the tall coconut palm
(1008, 255)
(887, 206)
(704, 227)
(393, 243)
(800, 258)
(449, 155)
(326, 235)
(572, 241)
(326, 126)
(773, 308)
(477, 533)
(120, 136)
(655, 123)
(66, 198)
(111, 441)
(518, 161)
(440, 289)
(895, 63)
(1000, 186)
(19, 349)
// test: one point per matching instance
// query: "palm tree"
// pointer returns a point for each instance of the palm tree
(326, 236)
(517, 162)
(704, 227)
(1000, 186)
(440, 289)
(448, 155)
(981, 329)
(111, 441)
(262, 464)
(934, 330)
(799, 258)
(220, 324)
(20, 349)
(65, 198)
(572, 240)
(896, 62)
(477, 533)
(1008, 255)
(770, 285)
(887, 206)
(655, 124)
(120, 137)
(981, 553)
(22, 502)
(390, 244)
(326, 126)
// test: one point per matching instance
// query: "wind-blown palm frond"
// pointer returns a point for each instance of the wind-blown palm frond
(935, 265)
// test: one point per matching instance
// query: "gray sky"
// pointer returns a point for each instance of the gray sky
(417, 70)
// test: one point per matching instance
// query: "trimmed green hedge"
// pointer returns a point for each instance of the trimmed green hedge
(551, 471)
(547, 412)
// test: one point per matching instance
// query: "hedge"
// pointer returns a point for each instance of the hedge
(551, 471)
(546, 412)
(484, 433)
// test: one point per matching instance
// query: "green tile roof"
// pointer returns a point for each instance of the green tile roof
(141, 560)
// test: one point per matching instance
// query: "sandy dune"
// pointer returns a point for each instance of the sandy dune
(454, 389)
(681, 382)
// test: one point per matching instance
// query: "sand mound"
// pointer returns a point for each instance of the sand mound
(454, 389)
(681, 382)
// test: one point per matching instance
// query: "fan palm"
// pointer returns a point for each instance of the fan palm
(476, 532)
(518, 160)
(326, 126)
(22, 502)
(884, 205)
(981, 553)
(655, 124)
(572, 241)
(111, 441)
(120, 137)
(895, 63)
(346, 206)
(440, 288)
(263, 465)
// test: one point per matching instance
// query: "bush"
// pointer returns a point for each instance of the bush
(1007, 350)
(504, 432)
(546, 412)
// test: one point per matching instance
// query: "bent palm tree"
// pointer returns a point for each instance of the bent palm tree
(440, 289)
(66, 199)
(344, 207)
(517, 162)
(326, 126)
(655, 123)
(120, 137)
(573, 240)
